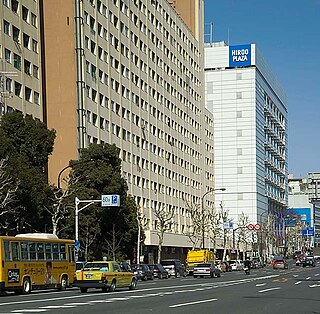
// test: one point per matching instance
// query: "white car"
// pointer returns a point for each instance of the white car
(236, 265)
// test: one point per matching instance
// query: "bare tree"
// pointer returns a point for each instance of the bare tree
(194, 229)
(163, 223)
(243, 233)
(114, 244)
(224, 217)
(61, 208)
(8, 189)
(142, 225)
(214, 228)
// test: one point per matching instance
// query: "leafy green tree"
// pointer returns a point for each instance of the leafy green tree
(98, 172)
(26, 143)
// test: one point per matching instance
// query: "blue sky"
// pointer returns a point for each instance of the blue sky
(287, 33)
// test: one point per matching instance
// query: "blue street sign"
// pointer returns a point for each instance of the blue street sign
(77, 244)
(110, 200)
(308, 232)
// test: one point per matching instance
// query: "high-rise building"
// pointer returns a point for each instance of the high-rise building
(128, 72)
(250, 130)
(20, 58)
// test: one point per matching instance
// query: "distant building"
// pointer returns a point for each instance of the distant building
(20, 58)
(250, 129)
(314, 198)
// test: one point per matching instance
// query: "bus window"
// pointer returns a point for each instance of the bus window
(15, 251)
(40, 251)
(7, 252)
(48, 251)
(32, 251)
(55, 250)
(24, 251)
(63, 251)
(71, 254)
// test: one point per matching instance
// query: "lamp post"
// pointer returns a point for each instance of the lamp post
(71, 164)
(203, 209)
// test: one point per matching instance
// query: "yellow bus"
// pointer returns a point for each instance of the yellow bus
(35, 261)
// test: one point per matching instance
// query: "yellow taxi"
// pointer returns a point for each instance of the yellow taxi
(105, 275)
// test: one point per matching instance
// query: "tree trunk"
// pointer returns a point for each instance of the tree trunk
(160, 248)
(54, 226)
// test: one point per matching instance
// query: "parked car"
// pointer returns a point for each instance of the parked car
(227, 266)
(235, 265)
(159, 271)
(309, 261)
(125, 266)
(142, 271)
(174, 267)
(206, 269)
(280, 264)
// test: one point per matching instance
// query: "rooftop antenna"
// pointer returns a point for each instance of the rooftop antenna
(210, 34)
(228, 37)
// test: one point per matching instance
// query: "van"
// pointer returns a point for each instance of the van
(174, 267)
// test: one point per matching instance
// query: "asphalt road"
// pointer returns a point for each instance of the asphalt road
(296, 290)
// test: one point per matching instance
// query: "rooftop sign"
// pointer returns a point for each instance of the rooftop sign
(239, 55)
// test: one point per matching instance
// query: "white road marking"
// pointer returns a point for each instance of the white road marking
(57, 306)
(298, 282)
(260, 284)
(316, 274)
(78, 303)
(29, 311)
(131, 292)
(295, 275)
(313, 286)
(270, 289)
(308, 278)
(192, 303)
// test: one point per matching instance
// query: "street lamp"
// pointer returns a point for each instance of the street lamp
(202, 209)
(71, 164)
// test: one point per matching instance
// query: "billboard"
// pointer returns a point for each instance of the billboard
(240, 55)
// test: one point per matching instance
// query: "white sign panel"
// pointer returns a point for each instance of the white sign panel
(228, 225)
(110, 200)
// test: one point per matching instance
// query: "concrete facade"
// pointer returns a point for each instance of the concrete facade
(250, 128)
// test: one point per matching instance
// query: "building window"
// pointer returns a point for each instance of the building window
(34, 21)
(36, 98)
(17, 89)
(7, 55)
(9, 84)
(14, 6)
(16, 34)
(27, 67)
(6, 27)
(6, 3)
(27, 92)
(17, 61)
(34, 45)
(239, 114)
(35, 71)
(26, 41)
(25, 14)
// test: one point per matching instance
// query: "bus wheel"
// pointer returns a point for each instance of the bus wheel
(63, 283)
(26, 286)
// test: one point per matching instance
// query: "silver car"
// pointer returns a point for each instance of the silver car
(206, 269)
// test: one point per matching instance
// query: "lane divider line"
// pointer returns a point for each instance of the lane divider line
(270, 289)
(298, 282)
(192, 303)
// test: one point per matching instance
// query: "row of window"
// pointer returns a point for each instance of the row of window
(16, 88)
(15, 33)
(27, 16)
(15, 59)
(34, 251)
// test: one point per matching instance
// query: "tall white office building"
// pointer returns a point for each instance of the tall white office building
(250, 130)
